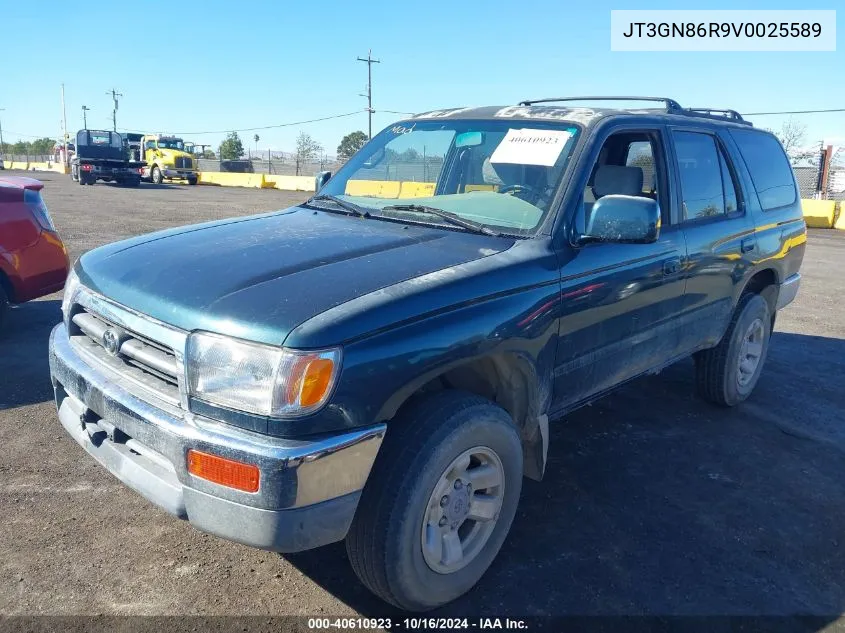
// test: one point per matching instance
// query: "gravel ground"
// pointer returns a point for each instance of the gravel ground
(654, 502)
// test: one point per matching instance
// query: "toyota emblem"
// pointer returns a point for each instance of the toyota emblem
(111, 342)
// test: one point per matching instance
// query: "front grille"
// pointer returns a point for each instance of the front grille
(183, 163)
(135, 357)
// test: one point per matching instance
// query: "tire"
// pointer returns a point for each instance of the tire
(719, 377)
(156, 176)
(394, 517)
(192, 181)
(134, 182)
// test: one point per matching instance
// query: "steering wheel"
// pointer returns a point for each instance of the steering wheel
(517, 190)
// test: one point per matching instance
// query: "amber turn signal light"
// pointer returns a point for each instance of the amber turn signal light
(226, 472)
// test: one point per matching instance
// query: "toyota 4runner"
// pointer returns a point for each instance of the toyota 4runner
(381, 363)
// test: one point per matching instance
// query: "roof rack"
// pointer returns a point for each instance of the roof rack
(670, 104)
(672, 107)
(715, 113)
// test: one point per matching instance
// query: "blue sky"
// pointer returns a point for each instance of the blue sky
(199, 66)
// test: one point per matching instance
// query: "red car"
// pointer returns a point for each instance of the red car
(33, 259)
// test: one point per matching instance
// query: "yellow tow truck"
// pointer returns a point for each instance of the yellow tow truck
(167, 158)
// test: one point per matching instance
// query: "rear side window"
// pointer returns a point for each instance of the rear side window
(769, 168)
(706, 183)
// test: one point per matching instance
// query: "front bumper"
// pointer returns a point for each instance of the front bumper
(171, 172)
(308, 491)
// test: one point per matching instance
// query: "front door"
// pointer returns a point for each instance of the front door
(620, 302)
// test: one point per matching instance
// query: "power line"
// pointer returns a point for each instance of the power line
(253, 129)
(793, 112)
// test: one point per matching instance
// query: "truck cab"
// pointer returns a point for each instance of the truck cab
(167, 158)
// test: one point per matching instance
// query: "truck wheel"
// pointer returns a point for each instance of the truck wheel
(156, 176)
(439, 501)
(192, 181)
(727, 374)
(80, 179)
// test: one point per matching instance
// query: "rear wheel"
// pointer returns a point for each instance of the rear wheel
(192, 181)
(728, 373)
(439, 501)
(156, 175)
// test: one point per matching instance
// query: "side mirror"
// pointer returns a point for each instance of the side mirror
(626, 219)
(321, 179)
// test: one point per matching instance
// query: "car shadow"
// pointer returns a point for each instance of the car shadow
(24, 362)
(656, 503)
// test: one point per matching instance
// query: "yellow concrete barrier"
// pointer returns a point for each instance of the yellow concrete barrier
(18, 165)
(225, 179)
(818, 214)
(416, 189)
(373, 188)
(39, 166)
(289, 183)
(840, 220)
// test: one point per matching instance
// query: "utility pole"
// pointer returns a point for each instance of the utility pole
(84, 117)
(2, 145)
(64, 128)
(370, 61)
(114, 95)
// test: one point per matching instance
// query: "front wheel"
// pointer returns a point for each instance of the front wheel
(439, 501)
(156, 176)
(727, 374)
(192, 181)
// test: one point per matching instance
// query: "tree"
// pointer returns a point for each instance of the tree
(351, 143)
(306, 149)
(209, 154)
(792, 134)
(231, 148)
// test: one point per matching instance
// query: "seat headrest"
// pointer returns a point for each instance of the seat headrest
(616, 179)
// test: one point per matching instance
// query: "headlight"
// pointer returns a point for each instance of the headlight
(71, 286)
(259, 379)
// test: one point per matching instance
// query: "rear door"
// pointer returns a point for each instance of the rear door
(719, 232)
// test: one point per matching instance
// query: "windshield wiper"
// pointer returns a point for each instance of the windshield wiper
(451, 218)
(353, 208)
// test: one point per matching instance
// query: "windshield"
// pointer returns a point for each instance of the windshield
(502, 174)
(171, 143)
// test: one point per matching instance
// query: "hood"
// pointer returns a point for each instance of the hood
(257, 278)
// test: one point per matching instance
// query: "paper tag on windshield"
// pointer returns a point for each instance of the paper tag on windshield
(531, 147)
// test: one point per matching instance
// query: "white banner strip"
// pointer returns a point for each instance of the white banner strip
(716, 30)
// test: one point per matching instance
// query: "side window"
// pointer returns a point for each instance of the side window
(769, 167)
(149, 145)
(707, 187)
(628, 164)
(641, 154)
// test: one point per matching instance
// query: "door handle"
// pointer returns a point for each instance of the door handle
(671, 266)
(747, 245)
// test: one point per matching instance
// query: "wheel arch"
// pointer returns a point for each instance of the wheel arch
(764, 282)
(508, 379)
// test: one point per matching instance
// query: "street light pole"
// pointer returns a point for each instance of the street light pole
(84, 117)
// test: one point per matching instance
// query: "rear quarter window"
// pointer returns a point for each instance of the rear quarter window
(770, 170)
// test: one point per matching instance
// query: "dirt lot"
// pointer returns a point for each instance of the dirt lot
(654, 502)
